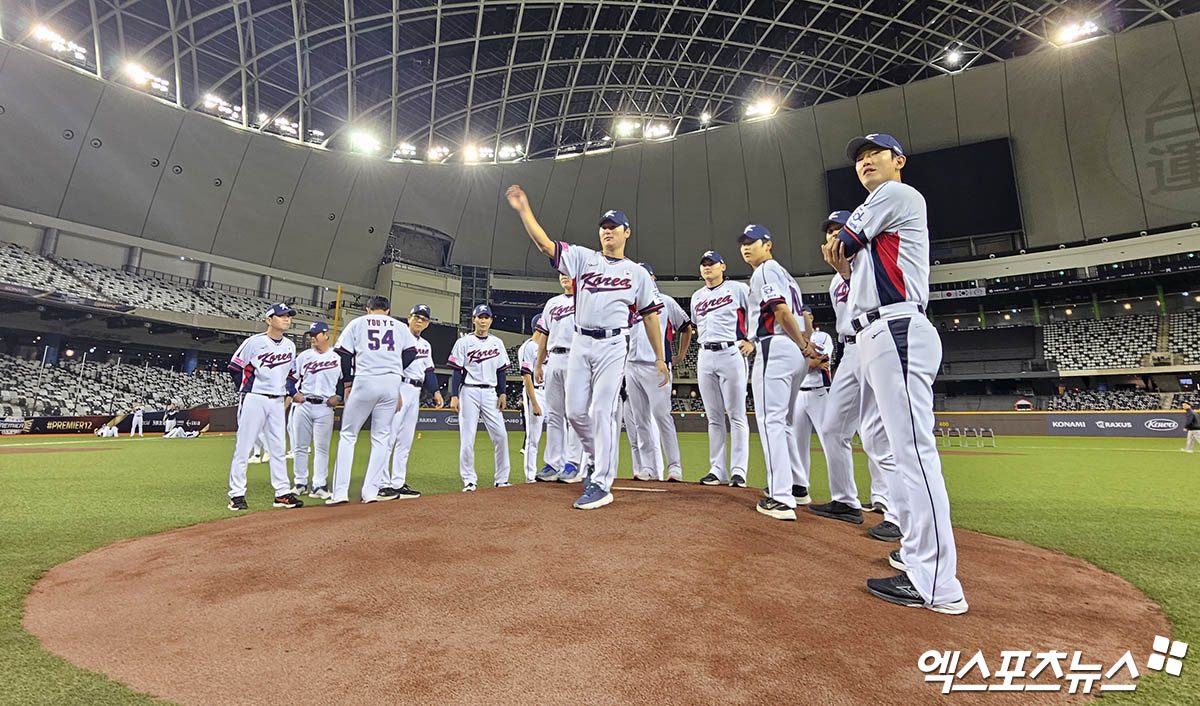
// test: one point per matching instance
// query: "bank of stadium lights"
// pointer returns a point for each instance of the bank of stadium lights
(627, 128)
(58, 44)
(511, 152)
(404, 151)
(141, 77)
(705, 118)
(761, 108)
(223, 109)
(1076, 32)
(656, 131)
(364, 142)
(438, 153)
(473, 153)
(953, 57)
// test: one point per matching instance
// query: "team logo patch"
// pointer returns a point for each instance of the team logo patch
(770, 291)
(842, 291)
(273, 360)
(317, 366)
(558, 313)
(598, 282)
(480, 355)
(857, 219)
(708, 305)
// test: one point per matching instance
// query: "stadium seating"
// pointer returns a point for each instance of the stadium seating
(1089, 344)
(20, 265)
(1097, 400)
(148, 292)
(1184, 334)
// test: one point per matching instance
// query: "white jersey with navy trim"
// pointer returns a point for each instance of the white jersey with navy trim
(721, 312)
(265, 364)
(817, 377)
(527, 358)
(558, 321)
(671, 319)
(479, 359)
(316, 374)
(891, 230)
(377, 342)
(423, 363)
(769, 285)
(839, 297)
(607, 290)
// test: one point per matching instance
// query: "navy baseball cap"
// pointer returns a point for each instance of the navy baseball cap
(279, 309)
(806, 307)
(536, 321)
(838, 217)
(420, 310)
(879, 139)
(712, 255)
(754, 232)
(317, 327)
(646, 266)
(482, 310)
(616, 217)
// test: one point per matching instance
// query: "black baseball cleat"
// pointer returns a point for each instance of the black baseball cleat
(404, 492)
(710, 479)
(300, 489)
(896, 589)
(388, 494)
(773, 508)
(737, 481)
(238, 503)
(876, 507)
(896, 562)
(288, 500)
(838, 511)
(885, 532)
(800, 493)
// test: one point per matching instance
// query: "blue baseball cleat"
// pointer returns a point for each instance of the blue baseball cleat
(594, 496)
(547, 474)
(570, 474)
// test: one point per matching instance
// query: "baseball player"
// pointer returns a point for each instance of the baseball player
(644, 456)
(554, 336)
(169, 418)
(480, 361)
(260, 369)
(314, 384)
(179, 433)
(375, 350)
(531, 401)
(843, 415)
(720, 310)
(418, 376)
(888, 238)
(781, 363)
(135, 427)
(810, 407)
(607, 288)
(108, 431)
(650, 402)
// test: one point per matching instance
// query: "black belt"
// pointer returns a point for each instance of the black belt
(414, 383)
(872, 317)
(560, 349)
(849, 339)
(270, 397)
(810, 389)
(314, 400)
(717, 346)
(600, 332)
(486, 387)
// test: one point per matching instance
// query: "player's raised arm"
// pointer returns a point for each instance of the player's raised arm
(520, 203)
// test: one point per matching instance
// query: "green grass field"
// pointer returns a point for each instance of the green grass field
(1131, 506)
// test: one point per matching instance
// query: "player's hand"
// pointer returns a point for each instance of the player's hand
(538, 375)
(834, 252)
(537, 408)
(664, 373)
(746, 347)
(500, 401)
(517, 198)
(437, 400)
(454, 403)
(677, 359)
(346, 391)
(298, 398)
(333, 401)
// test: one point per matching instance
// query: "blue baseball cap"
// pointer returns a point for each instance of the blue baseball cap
(754, 232)
(279, 309)
(712, 255)
(646, 266)
(616, 217)
(421, 310)
(482, 310)
(838, 217)
(879, 139)
(536, 321)
(806, 307)
(317, 327)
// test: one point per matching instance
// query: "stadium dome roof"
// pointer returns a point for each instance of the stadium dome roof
(501, 80)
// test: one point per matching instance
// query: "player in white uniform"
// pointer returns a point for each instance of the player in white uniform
(418, 376)
(260, 369)
(375, 350)
(314, 384)
(843, 413)
(531, 399)
(644, 456)
(563, 454)
(779, 367)
(607, 288)
(480, 363)
(135, 427)
(810, 407)
(888, 237)
(169, 418)
(720, 310)
(649, 401)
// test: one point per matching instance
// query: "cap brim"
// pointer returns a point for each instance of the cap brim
(709, 260)
(854, 146)
(827, 223)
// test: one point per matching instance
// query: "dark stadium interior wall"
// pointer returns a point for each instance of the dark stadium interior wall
(1096, 130)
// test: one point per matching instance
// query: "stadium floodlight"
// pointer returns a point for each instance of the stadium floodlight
(57, 44)
(760, 108)
(141, 77)
(404, 150)
(286, 127)
(705, 118)
(365, 142)
(1068, 311)
(626, 128)
(223, 109)
(473, 154)
(657, 130)
(511, 152)
(1076, 32)
(263, 118)
(1127, 306)
(954, 57)
(438, 153)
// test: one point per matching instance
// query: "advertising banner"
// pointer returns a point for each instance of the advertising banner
(1151, 424)
(152, 423)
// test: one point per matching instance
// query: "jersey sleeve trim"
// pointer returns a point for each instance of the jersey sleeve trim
(852, 241)
(656, 306)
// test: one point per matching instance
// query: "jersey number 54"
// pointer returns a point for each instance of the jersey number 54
(375, 341)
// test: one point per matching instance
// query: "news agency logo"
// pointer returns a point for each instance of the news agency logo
(1161, 424)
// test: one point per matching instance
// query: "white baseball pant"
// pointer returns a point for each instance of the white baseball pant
(808, 417)
(1193, 437)
(562, 443)
(778, 369)
(594, 386)
(843, 416)
(168, 425)
(900, 358)
(651, 407)
(291, 428)
(533, 433)
(645, 458)
(473, 403)
(313, 424)
(135, 426)
(722, 375)
(404, 428)
(259, 414)
(374, 396)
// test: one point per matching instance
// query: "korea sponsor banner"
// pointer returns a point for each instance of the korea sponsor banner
(1151, 424)
(152, 423)
(445, 419)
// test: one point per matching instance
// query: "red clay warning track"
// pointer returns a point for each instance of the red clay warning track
(508, 596)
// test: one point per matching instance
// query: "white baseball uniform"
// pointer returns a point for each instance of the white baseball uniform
(721, 313)
(169, 417)
(558, 324)
(418, 376)
(263, 364)
(778, 369)
(135, 427)
(809, 414)
(607, 291)
(647, 399)
(647, 462)
(900, 355)
(377, 343)
(526, 357)
(317, 376)
(482, 362)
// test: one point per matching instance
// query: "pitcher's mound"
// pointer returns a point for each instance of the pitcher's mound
(508, 596)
